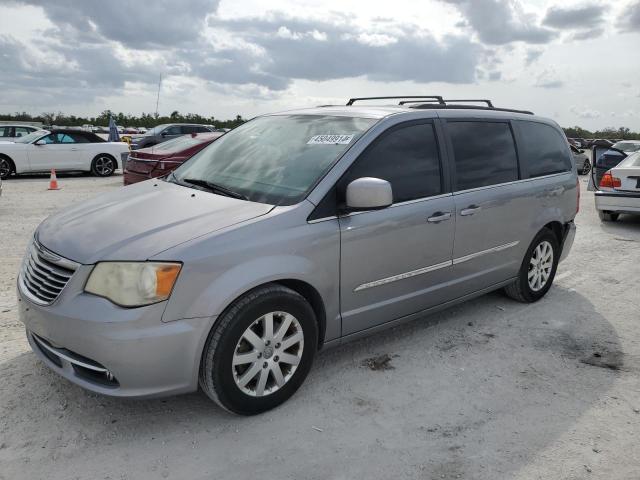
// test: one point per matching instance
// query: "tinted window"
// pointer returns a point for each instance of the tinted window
(49, 139)
(175, 130)
(407, 157)
(543, 149)
(485, 153)
(5, 131)
(80, 138)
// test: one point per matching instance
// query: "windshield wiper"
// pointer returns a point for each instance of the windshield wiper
(215, 188)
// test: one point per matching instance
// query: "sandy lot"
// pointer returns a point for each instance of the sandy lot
(491, 389)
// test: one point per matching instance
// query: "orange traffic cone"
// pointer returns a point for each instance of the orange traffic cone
(53, 181)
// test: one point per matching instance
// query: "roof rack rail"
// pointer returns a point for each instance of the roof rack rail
(438, 100)
(431, 97)
(446, 100)
(488, 102)
(468, 107)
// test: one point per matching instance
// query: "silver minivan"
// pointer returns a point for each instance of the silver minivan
(294, 232)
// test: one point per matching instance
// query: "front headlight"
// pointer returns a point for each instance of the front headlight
(133, 284)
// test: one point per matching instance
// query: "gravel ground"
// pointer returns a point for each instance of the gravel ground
(491, 389)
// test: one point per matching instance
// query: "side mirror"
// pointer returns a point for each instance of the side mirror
(581, 151)
(40, 142)
(368, 193)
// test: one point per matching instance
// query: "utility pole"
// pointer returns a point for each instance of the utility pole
(158, 97)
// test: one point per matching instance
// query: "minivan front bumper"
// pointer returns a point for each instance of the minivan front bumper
(116, 351)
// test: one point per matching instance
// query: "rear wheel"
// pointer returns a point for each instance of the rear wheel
(260, 350)
(537, 270)
(6, 167)
(103, 165)
(607, 216)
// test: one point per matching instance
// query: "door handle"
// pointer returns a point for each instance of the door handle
(556, 191)
(439, 217)
(74, 149)
(470, 210)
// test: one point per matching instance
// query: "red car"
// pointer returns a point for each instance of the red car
(161, 159)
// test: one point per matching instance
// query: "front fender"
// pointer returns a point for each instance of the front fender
(310, 254)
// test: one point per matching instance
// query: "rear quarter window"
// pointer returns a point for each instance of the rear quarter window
(543, 149)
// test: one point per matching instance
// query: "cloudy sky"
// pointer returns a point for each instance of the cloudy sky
(575, 61)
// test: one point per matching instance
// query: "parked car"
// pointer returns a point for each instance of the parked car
(619, 190)
(10, 133)
(613, 156)
(581, 159)
(162, 133)
(293, 232)
(573, 142)
(162, 159)
(63, 150)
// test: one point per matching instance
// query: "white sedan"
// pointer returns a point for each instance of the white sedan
(619, 190)
(63, 150)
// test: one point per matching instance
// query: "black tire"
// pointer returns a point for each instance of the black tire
(7, 167)
(103, 165)
(217, 374)
(586, 168)
(520, 289)
(606, 216)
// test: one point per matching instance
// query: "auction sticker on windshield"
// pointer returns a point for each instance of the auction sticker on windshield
(330, 140)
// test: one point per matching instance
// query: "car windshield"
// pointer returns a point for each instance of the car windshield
(155, 130)
(32, 136)
(181, 143)
(275, 159)
(627, 146)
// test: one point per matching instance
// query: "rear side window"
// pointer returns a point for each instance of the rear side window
(21, 131)
(407, 157)
(543, 150)
(5, 131)
(80, 138)
(484, 152)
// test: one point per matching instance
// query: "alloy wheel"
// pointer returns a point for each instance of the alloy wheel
(5, 168)
(540, 266)
(268, 354)
(104, 166)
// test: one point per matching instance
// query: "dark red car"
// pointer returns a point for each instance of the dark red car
(161, 159)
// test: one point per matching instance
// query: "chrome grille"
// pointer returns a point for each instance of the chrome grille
(44, 274)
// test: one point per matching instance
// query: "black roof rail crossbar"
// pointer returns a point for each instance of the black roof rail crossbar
(432, 97)
(468, 107)
(488, 102)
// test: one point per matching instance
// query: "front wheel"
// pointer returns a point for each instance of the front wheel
(606, 216)
(103, 165)
(537, 270)
(260, 350)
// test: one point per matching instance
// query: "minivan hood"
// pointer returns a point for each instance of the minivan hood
(141, 220)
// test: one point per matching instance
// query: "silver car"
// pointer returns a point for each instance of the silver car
(294, 232)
